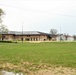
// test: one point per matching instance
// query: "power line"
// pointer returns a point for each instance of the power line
(37, 11)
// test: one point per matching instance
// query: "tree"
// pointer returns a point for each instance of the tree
(74, 36)
(1, 15)
(53, 31)
(3, 28)
(66, 36)
(0, 37)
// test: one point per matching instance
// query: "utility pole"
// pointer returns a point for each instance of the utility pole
(60, 34)
(22, 33)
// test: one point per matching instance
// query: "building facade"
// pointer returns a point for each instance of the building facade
(33, 36)
(25, 36)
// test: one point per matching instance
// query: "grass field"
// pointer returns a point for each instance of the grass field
(26, 57)
(51, 53)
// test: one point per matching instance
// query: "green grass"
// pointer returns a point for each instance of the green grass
(52, 53)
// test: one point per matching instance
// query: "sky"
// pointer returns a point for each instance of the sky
(40, 15)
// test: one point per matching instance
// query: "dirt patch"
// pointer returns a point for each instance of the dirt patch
(38, 69)
(56, 71)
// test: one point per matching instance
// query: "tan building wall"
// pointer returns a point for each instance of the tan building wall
(26, 37)
(8, 37)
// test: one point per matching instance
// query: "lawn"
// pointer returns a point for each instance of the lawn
(51, 53)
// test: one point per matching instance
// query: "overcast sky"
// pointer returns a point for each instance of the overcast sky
(40, 15)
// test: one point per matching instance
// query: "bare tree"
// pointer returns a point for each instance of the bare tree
(53, 31)
(74, 36)
(66, 36)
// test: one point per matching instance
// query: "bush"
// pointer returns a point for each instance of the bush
(6, 42)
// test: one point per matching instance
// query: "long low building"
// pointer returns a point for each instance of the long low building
(33, 36)
(26, 36)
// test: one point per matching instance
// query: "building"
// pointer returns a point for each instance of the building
(33, 36)
(64, 38)
(25, 36)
